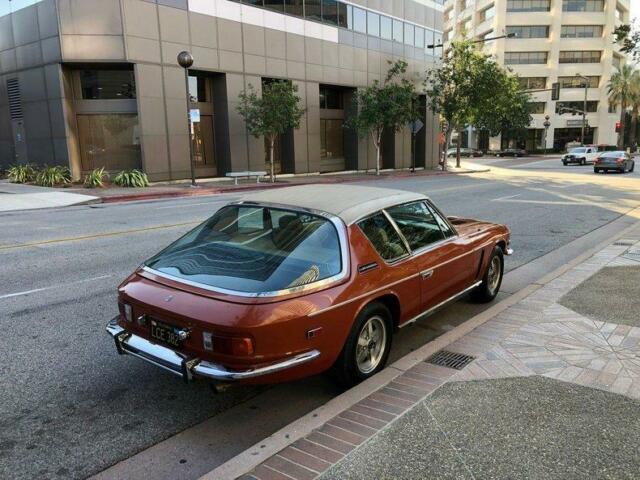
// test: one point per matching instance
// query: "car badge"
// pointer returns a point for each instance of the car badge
(169, 298)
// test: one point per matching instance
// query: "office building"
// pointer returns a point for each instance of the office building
(92, 83)
(555, 41)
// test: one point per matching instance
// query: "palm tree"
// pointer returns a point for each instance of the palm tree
(635, 107)
(620, 91)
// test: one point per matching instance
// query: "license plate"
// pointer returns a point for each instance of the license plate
(165, 333)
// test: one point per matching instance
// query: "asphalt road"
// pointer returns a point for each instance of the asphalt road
(71, 407)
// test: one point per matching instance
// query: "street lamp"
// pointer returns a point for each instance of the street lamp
(546, 125)
(185, 60)
(584, 106)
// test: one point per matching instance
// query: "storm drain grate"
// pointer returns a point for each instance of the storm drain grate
(624, 243)
(445, 358)
(632, 254)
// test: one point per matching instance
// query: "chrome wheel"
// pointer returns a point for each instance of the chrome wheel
(494, 274)
(371, 344)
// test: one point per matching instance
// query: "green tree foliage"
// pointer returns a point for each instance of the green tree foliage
(628, 39)
(273, 113)
(390, 104)
(621, 90)
(472, 89)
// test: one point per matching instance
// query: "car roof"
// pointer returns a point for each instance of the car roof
(349, 202)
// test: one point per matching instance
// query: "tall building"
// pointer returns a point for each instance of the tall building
(555, 41)
(93, 83)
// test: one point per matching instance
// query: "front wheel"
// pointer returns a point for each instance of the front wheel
(367, 348)
(596, 170)
(490, 286)
(633, 166)
(583, 162)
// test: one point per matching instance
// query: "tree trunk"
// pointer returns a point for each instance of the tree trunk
(272, 144)
(634, 126)
(622, 122)
(447, 143)
(458, 151)
(378, 144)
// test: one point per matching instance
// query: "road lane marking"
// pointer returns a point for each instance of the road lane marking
(36, 290)
(505, 198)
(97, 235)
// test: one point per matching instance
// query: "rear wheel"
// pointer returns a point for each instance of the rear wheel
(490, 286)
(564, 163)
(583, 161)
(596, 170)
(633, 166)
(367, 348)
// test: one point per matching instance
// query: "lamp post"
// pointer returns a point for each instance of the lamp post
(546, 125)
(185, 60)
(584, 106)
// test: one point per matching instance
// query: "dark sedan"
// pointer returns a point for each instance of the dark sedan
(512, 152)
(617, 161)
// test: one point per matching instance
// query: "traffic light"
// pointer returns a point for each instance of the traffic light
(555, 91)
(618, 127)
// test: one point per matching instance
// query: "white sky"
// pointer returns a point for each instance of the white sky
(635, 9)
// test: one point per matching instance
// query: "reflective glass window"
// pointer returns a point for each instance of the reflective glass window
(359, 20)
(107, 84)
(398, 30)
(373, 24)
(386, 29)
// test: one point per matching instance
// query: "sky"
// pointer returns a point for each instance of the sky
(635, 9)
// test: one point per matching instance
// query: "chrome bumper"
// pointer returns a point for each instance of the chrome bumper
(509, 251)
(188, 368)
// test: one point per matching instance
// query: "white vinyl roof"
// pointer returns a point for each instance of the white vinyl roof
(349, 202)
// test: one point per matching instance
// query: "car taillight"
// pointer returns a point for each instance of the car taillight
(237, 346)
(620, 160)
(596, 160)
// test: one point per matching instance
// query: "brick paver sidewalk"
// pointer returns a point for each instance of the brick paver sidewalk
(536, 336)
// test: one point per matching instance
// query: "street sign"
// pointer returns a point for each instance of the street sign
(416, 126)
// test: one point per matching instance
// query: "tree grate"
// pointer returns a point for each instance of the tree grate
(445, 358)
(632, 254)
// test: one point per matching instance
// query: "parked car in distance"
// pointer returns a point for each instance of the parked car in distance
(512, 152)
(465, 152)
(580, 155)
(618, 161)
(293, 282)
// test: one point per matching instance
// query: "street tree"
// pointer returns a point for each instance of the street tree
(387, 105)
(628, 38)
(271, 114)
(620, 90)
(470, 88)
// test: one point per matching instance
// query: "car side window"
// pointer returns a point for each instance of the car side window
(383, 236)
(442, 223)
(417, 224)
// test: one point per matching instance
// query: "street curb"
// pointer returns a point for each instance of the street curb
(209, 191)
(262, 451)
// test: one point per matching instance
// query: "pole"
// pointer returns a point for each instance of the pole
(413, 152)
(584, 110)
(191, 159)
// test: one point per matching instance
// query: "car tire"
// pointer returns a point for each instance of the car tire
(564, 163)
(353, 365)
(633, 166)
(490, 286)
(596, 170)
(583, 162)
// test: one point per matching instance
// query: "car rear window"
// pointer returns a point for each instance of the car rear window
(613, 155)
(383, 236)
(254, 249)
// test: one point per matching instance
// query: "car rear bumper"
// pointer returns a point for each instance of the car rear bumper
(190, 368)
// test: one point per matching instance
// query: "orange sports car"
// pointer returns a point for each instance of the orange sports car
(292, 282)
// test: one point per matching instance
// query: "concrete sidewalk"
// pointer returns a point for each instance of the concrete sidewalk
(14, 197)
(551, 390)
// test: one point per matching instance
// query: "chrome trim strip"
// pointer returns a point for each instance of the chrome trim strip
(187, 368)
(345, 258)
(431, 310)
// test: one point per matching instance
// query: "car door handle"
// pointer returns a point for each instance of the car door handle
(426, 274)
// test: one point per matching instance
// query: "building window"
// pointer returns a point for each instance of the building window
(409, 33)
(277, 5)
(294, 7)
(313, 10)
(525, 58)
(331, 98)
(487, 13)
(528, 5)
(468, 25)
(537, 107)
(359, 20)
(419, 43)
(580, 56)
(373, 24)
(331, 138)
(334, 13)
(619, 14)
(581, 31)
(111, 141)
(198, 91)
(107, 84)
(578, 82)
(533, 83)
(398, 31)
(529, 31)
(582, 5)
(592, 106)
(386, 30)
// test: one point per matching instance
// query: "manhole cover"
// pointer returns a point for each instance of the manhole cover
(624, 243)
(445, 358)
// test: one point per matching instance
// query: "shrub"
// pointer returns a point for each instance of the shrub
(96, 178)
(131, 178)
(21, 173)
(52, 176)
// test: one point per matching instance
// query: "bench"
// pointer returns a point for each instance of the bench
(247, 174)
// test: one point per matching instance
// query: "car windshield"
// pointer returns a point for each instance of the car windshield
(578, 150)
(254, 249)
